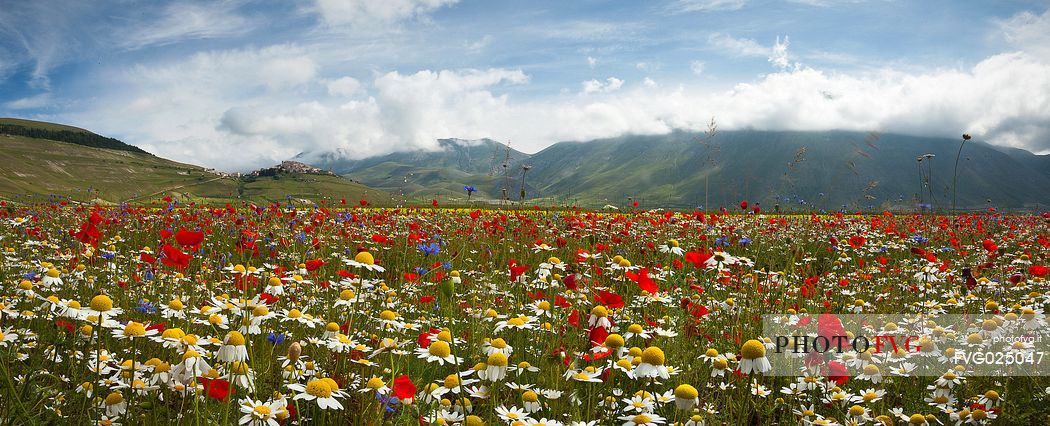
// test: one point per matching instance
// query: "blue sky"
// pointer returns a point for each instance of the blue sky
(241, 84)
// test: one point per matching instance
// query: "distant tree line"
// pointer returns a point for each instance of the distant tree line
(79, 138)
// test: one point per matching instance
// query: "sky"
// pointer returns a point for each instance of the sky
(237, 85)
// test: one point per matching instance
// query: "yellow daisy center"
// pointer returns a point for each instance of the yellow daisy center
(365, 258)
(101, 303)
(134, 329)
(686, 392)
(319, 389)
(653, 356)
(439, 349)
(753, 349)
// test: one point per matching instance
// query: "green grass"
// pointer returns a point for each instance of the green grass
(41, 125)
(35, 169)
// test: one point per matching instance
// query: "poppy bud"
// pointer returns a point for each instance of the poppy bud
(294, 351)
(448, 288)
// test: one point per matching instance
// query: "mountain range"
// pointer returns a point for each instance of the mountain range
(791, 170)
(778, 170)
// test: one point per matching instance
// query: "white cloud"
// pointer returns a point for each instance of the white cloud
(611, 84)
(1026, 31)
(371, 13)
(344, 86)
(38, 32)
(687, 6)
(419, 108)
(743, 47)
(697, 67)
(590, 30)
(477, 46)
(779, 58)
(257, 113)
(186, 21)
(592, 61)
(178, 110)
(284, 72)
(31, 102)
(826, 3)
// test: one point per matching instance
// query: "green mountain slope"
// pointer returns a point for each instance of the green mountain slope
(442, 173)
(32, 169)
(797, 170)
(60, 133)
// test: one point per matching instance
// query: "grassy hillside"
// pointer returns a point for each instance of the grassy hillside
(798, 170)
(441, 173)
(41, 125)
(33, 169)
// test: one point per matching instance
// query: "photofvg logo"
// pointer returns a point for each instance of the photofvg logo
(804, 344)
(874, 347)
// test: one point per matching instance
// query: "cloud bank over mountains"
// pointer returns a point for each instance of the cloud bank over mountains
(346, 77)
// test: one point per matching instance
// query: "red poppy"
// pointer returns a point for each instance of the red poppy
(404, 389)
(174, 257)
(574, 318)
(856, 241)
(698, 311)
(1038, 270)
(64, 324)
(697, 259)
(990, 245)
(609, 299)
(570, 282)
(424, 338)
(837, 372)
(561, 302)
(598, 335)
(189, 238)
(643, 280)
(829, 326)
(268, 298)
(314, 264)
(516, 270)
(217, 388)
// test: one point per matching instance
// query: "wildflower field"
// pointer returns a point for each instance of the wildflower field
(296, 314)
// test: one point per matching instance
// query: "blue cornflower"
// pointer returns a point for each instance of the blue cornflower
(446, 265)
(146, 307)
(275, 338)
(429, 249)
(745, 241)
(388, 402)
